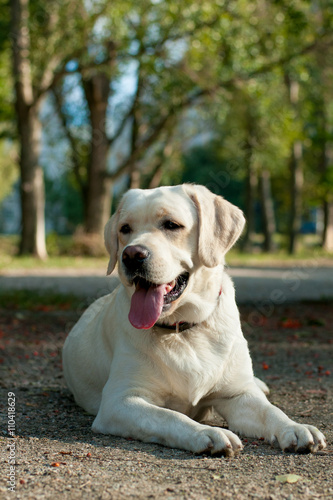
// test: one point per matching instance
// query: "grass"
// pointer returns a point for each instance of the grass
(14, 263)
(279, 258)
(309, 249)
(60, 256)
(63, 254)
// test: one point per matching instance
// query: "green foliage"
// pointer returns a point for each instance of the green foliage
(234, 55)
(8, 168)
(207, 165)
(6, 83)
(6, 95)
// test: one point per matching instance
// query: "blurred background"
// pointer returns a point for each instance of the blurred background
(98, 97)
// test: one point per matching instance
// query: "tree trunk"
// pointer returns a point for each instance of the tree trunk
(269, 226)
(328, 227)
(135, 178)
(326, 159)
(296, 187)
(135, 174)
(251, 192)
(296, 172)
(29, 129)
(98, 201)
(32, 187)
(156, 175)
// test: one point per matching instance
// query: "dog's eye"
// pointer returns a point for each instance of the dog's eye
(171, 226)
(125, 229)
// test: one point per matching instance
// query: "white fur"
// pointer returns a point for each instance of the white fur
(156, 385)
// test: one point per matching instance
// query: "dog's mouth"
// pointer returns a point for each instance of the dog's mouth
(150, 300)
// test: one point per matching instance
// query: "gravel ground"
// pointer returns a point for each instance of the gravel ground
(58, 456)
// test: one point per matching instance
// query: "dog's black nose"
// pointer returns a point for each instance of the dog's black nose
(134, 256)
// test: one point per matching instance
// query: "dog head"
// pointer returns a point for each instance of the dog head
(169, 244)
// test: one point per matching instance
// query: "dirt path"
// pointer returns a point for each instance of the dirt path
(57, 455)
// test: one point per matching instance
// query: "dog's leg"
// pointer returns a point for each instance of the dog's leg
(261, 385)
(251, 414)
(137, 417)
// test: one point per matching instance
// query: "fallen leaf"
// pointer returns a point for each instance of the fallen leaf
(288, 478)
(291, 323)
(44, 308)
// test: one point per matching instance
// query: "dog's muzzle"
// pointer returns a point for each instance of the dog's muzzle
(134, 258)
(149, 299)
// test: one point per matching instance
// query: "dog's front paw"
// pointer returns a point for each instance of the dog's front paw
(217, 442)
(300, 438)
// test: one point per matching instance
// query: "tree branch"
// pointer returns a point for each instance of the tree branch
(181, 35)
(190, 100)
(158, 129)
(128, 114)
(75, 156)
(265, 68)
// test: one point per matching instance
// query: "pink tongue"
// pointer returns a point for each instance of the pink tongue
(146, 306)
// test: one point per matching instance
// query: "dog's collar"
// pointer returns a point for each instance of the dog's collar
(180, 326)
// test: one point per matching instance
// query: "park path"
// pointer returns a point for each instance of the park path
(253, 284)
(58, 457)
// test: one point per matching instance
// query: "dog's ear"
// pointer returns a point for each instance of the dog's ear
(111, 241)
(220, 224)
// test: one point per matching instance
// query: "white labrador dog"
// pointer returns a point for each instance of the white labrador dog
(152, 359)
